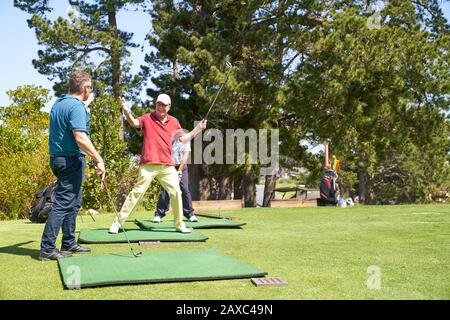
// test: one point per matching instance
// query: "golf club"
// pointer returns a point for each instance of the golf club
(229, 66)
(105, 187)
(92, 216)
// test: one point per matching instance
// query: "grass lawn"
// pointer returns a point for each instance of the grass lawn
(323, 253)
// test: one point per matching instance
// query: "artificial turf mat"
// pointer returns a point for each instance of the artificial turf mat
(136, 235)
(201, 224)
(170, 266)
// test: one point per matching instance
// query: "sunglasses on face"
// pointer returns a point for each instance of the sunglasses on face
(162, 104)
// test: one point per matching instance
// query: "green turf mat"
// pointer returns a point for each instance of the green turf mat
(170, 266)
(201, 224)
(136, 235)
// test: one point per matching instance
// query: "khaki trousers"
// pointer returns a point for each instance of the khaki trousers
(168, 177)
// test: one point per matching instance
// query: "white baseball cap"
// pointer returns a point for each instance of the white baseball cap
(164, 98)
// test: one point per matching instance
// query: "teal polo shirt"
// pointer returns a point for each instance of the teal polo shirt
(67, 114)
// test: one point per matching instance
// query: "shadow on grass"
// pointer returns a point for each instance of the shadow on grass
(16, 249)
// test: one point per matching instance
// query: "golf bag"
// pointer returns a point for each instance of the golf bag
(329, 188)
(42, 204)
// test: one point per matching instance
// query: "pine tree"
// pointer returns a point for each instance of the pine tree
(377, 94)
(196, 38)
(89, 39)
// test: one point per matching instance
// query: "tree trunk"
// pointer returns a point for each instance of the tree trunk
(269, 186)
(198, 182)
(115, 62)
(362, 178)
(212, 183)
(362, 191)
(271, 180)
(237, 189)
(224, 186)
(249, 189)
(204, 183)
(175, 71)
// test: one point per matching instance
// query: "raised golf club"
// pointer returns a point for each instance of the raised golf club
(105, 187)
(229, 66)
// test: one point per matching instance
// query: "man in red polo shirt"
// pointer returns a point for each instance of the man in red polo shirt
(156, 159)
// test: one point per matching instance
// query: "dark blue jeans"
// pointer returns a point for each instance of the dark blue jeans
(68, 199)
(164, 200)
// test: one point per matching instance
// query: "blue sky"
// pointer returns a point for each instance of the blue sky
(19, 45)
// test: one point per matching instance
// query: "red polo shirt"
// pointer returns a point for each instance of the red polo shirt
(158, 136)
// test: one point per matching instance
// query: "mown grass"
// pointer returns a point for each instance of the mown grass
(323, 253)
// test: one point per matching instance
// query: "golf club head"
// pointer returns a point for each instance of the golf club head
(138, 254)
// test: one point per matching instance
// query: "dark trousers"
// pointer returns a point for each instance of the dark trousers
(164, 200)
(68, 199)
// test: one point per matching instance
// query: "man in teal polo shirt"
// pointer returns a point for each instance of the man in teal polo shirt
(69, 142)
